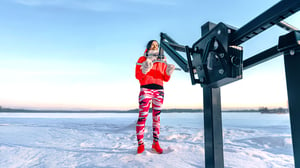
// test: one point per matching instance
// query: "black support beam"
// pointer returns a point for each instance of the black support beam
(213, 133)
(292, 69)
(289, 44)
(170, 46)
(270, 17)
(261, 57)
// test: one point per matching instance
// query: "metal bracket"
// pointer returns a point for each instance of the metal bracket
(216, 61)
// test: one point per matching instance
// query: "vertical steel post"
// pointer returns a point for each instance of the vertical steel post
(289, 44)
(292, 69)
(213, 135)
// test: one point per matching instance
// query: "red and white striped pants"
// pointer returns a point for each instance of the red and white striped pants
(146, 97)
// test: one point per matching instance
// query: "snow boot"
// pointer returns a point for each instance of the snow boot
(140, 149)
(156, 148)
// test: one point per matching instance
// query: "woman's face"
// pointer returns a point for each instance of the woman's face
(154, 45)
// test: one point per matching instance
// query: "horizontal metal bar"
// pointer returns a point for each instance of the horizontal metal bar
(261, 57)
(286, 26)
(273, 15)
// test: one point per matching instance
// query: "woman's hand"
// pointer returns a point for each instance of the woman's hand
(146, 66)
(170, 69)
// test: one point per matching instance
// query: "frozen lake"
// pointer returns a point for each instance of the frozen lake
(108, 140)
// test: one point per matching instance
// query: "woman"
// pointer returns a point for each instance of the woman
(151, 71)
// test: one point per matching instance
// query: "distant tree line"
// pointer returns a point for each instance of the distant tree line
(273, 110)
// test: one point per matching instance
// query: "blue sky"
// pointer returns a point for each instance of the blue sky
(81, 54)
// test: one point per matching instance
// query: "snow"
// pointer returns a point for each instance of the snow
(108, 140)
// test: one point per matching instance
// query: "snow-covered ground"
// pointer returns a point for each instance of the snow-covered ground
(108, 140)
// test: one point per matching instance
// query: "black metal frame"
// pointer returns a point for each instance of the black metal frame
(289, 45)
(171, 46)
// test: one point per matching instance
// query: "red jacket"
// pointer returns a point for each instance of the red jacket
(157, 74)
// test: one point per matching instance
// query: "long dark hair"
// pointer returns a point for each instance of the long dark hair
(149, 46)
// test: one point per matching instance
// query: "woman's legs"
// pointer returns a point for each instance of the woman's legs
(157, 102)
(145, 98)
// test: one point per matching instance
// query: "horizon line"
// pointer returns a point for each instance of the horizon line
(9, 109)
